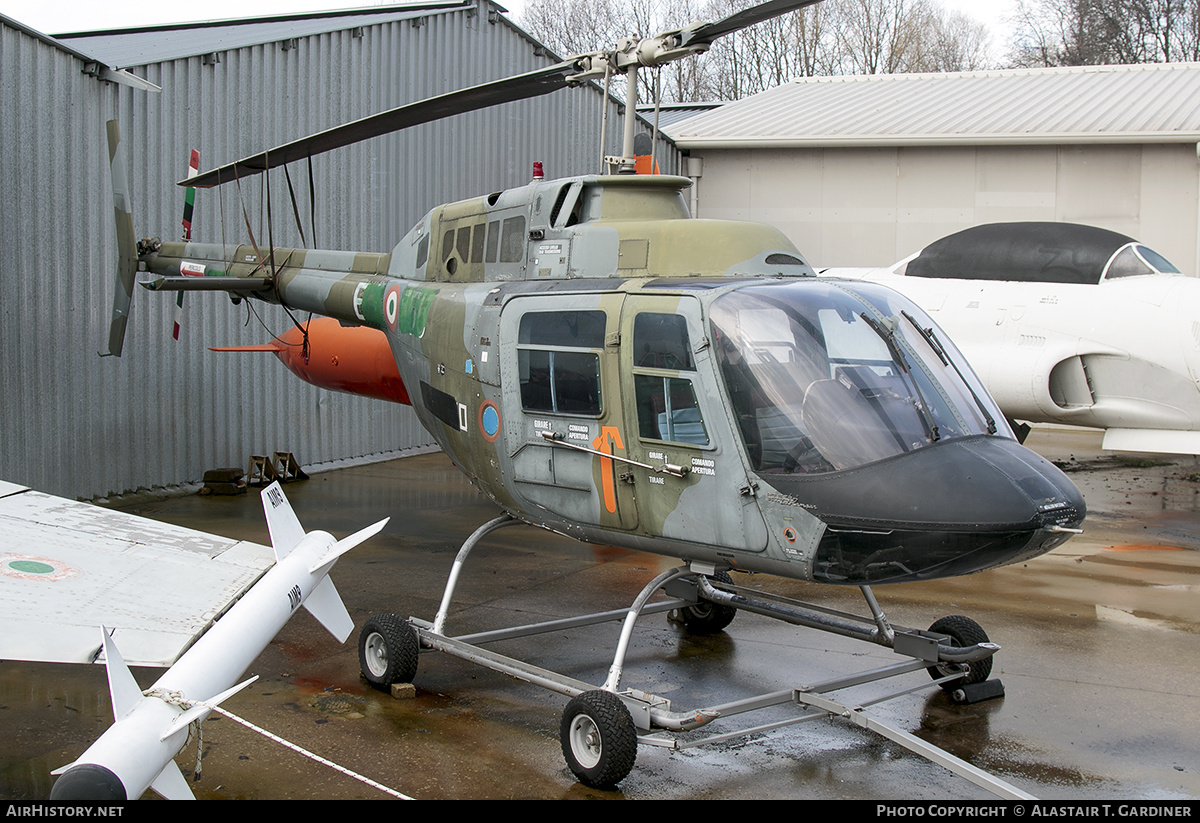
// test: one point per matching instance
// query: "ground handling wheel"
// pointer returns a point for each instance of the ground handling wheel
(387, 651)
(708, 618)
(963, 631)
(598, 739)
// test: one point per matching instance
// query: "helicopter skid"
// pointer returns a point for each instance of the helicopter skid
(651, 721)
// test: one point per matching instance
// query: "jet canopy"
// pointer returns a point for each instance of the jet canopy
(824, 376)
(1036, 253)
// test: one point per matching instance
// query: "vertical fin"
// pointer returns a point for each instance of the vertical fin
(282, 523)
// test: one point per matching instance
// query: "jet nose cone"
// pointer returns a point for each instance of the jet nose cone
(88, 781)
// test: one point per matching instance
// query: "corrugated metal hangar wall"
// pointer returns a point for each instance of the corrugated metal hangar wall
(83, 426)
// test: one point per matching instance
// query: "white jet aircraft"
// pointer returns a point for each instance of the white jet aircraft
(1068, 324)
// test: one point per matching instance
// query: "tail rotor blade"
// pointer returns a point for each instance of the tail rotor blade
(189, 203)
(126, 243)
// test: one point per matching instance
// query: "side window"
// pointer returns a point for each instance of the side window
(512, 240)
(660, 341)
(666, 403)
(493, 241)
(463, 244)
(477, 242)
(667, 410)
(559, 362)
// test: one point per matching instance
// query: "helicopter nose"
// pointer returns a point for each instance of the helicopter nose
(953, 508)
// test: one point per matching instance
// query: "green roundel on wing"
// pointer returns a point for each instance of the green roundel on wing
(30, 567)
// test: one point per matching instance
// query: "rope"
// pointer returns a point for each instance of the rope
(177, 699)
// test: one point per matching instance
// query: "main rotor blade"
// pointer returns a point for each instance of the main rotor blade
(708, 32)
(518, 87)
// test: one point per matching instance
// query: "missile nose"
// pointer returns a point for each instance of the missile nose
(88, 781)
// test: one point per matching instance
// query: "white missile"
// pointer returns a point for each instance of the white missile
(138, 751)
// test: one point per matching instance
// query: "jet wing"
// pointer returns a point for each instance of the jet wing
(67, 568)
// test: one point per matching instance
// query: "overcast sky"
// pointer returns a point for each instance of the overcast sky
(56, 16)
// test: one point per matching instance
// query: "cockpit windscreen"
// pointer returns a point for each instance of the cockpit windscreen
(824, 377)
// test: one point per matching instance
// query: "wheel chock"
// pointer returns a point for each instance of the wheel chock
(978, 692)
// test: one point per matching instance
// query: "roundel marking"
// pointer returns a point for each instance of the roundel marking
(34, 568)
(391, 306)
(489, 421)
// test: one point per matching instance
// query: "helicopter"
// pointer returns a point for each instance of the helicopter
(602, 365)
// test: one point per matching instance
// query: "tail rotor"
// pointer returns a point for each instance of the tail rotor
(189, 202)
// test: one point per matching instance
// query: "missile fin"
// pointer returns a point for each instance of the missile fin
(325, 604)
(347, 543)
(123, 689)
(282, 523)
(196, 711)
(170, 784)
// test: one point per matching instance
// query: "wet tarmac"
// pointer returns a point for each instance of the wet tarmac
(1100, 661)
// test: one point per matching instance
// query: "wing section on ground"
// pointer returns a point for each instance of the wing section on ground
(67, 568)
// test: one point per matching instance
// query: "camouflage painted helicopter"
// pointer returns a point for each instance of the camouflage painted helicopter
(600, 364)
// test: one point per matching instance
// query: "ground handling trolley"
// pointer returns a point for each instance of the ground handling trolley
(602, 726)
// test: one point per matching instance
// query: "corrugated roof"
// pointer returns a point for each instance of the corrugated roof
(671, 113)
(1145, 103)
(154, 44)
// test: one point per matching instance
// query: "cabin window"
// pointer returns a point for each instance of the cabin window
(559, 362)
(512, 240)
(423, 250)
(667, 410)
(493, 241)
(448, 245)
(560, 382)
(577, 329)
(463, 244)
(660, 341)
(477, 234)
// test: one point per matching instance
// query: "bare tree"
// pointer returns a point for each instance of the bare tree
(1095, 32)
(842, 37)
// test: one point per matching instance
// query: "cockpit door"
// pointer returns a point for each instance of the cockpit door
(697, 487)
